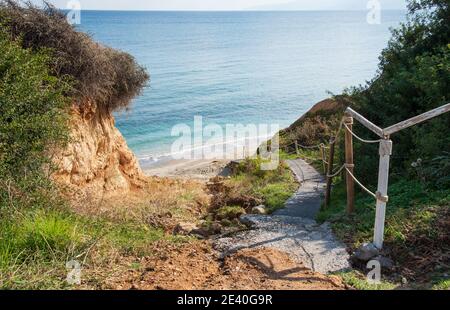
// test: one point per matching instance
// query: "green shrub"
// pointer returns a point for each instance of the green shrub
(52, 232)
(359, 282)
(33, 121)
(33, 125)
(39, 235)
(441, 285)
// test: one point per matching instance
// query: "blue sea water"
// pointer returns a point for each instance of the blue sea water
(236, 67)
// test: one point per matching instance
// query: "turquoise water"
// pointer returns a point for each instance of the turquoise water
(236, 67)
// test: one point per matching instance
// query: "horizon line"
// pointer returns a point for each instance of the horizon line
(245, 10)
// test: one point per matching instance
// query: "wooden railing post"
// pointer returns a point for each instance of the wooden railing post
(382, 197)
(322, 154)
(350, 165)
(297, 151)
(329, 172)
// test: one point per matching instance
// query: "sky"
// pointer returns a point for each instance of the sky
(227, 5)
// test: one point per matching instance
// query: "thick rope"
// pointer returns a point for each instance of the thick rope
(361, 139)
(360, 184)
(312, 147)
(336, 173)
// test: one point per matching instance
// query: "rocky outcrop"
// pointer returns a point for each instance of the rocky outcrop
(97, 160)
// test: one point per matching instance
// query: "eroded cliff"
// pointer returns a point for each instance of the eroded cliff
(97, 161)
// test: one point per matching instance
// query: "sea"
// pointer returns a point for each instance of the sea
(235, 67)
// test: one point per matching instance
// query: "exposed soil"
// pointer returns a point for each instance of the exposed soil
(197, 266)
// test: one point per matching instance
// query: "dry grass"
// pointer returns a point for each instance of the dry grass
(109, 77)
(160, 203)
(100, 235)
(141, 231)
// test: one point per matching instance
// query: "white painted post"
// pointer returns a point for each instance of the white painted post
(382, 197)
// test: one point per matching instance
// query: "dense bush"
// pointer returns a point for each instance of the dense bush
(414, 77)
(108, 77)
(32, 118)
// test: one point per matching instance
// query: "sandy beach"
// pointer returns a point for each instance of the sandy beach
(190, 169)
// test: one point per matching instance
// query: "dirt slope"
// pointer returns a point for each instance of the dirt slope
(196, 266)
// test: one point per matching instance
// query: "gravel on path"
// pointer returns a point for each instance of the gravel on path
(293, 229)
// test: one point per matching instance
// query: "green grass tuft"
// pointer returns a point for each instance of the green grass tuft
(359, 282)
(229, 212)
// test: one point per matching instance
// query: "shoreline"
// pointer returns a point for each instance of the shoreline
(205, 169)
(202, 169)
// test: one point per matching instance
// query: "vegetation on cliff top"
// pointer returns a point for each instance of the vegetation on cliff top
(100, 75)
(32, 121)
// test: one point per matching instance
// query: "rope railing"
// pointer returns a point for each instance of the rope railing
(323, 154)
(318, 146)
(360, 184)
(385, 154)
(361, 139)
(338, 171)
(311, 147)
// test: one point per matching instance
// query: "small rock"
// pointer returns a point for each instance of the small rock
(366, 252)
(261, 210)
(385, 262)
(246, 221)
(184, 228)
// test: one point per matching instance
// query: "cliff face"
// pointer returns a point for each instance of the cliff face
(316, 126)
(97, 161)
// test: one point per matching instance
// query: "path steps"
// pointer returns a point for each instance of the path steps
(293, 229)
(307, 200)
